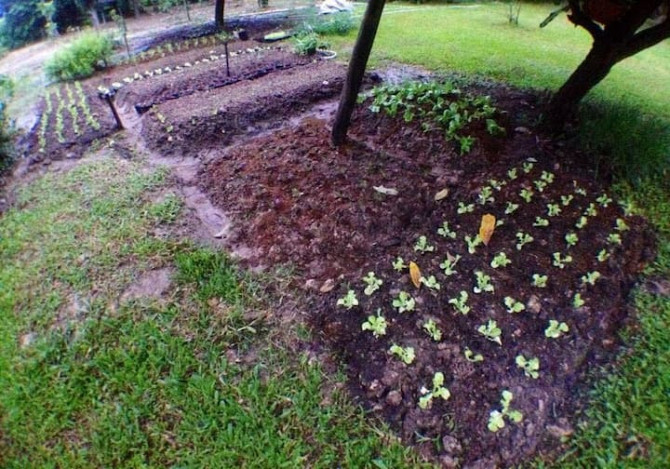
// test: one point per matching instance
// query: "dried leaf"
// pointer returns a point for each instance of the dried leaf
(385, 190)
(487, 227)
(415, 274)
(442, 194)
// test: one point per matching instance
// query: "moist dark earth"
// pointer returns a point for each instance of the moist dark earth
(336, 214)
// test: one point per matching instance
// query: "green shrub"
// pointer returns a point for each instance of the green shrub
(306, 43)
(80, 59)
(335, 24)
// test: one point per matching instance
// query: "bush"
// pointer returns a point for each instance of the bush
(335, 24)
(80, 59)
(307, 43)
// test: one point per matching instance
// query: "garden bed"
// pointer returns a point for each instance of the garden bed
(554, 311)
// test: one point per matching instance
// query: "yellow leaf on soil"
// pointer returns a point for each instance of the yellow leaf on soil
(486, 228)
(415, 274)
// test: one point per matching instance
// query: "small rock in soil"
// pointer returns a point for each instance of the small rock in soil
(451, 445)
(394, 398)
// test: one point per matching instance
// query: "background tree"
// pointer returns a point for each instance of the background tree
(23, 22)
(619, 29)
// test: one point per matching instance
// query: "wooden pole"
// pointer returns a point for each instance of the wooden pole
(357, 64)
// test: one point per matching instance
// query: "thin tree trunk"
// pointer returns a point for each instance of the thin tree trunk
(93, 12)
(136, 8)
(357, 64)
(595, 67)
(219, 8)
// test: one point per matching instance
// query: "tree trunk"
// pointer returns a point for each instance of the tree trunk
(357, 64)
(93, 12)
(218, 13)
(136, 8)
(595, 67)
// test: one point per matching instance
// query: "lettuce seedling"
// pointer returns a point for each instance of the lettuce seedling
(571, 239)
(377, 324)
(497, 185)
(432, 330)
(590, 278)
(591, 210)
(540, 281)
(483, 283)
(553, 210)
(399, 264)
(449, 263)
(445, 232)
(527, 167)
(438, 390)
(460, 304)
(577, 301)
(430, 282)
(496, 418)
(463, 208)
(555, 329)
(560, 261)
(526, 195)
(530, 367)
(566, 199)
(473, 357)
(404, 302)
(491, 331)
(500, 260)
(512, 174)
(604, 200)
(547, 177)
(485, 196)
(603, 255)
(524, 238)
(581, 223)
(512, 305)
(473, 243)
(406, 354)
(541, 222)
(372, 283)
(614, 238)
(540, 185)
(422, 245)
(349, 300)
(621, 225)
(510, 208)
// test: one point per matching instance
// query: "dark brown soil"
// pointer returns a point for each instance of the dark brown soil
(331, 214)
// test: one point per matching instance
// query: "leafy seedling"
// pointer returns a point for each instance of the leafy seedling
(590, 278)
(376, 324)
(404, 302)
(591, 210)
(472, 243)
(349, 300)
(571, 239)
(621, 225)
(510, 208)
(530, 367)
(485, 196)
(491, 331)
(526, 195)
(500, 260)
(473, 357)
(512, 174)
(463, 208)
(496, 417)
(540, 185)
(399, 264)
(445, 232)
(430, 282)
(540, 281)
(567, 199)
(604, 200)
(560, 261)
(449, 263)
(524, 238)
(547, 177)
(372, 283)
(541, 222)
(527, 167)
(582, 222)
(483, 283)
(614, 238)
(422, 245)
(432, 330)
(555, 329)
(438, 390)
(578, 301)
(553, 210)
(603, 255)
(512, 305)
(460, 304)
(406, 354)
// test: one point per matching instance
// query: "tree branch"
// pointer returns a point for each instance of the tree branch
(646, 38)
(626, 26)
(579, 18)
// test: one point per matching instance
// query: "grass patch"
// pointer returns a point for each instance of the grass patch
(87, 380)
